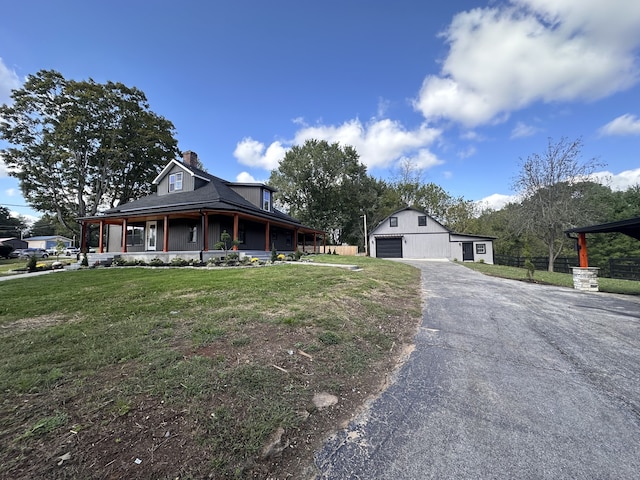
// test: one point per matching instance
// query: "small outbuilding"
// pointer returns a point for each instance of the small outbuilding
(411, 233)
(48, 241)
(15, 242)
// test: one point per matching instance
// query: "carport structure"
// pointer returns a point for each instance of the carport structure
(629, 227)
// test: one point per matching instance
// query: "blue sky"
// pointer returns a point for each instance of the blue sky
(464, 89)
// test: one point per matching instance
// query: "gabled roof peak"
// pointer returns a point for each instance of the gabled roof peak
(191, 170)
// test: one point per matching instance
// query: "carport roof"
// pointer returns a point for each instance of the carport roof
(629, 227)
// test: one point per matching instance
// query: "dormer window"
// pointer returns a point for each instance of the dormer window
(175, 182)
(266, 200)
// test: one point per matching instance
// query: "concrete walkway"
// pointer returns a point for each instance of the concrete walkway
(508, 380)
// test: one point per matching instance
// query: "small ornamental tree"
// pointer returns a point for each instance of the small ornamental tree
(226, 243)
(60, 246)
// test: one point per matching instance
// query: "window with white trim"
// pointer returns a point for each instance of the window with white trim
(175, 182)
(481, 248)
(422, 221)
(393, 221)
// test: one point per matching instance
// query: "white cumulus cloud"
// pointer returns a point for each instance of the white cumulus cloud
(380, 143)
(619, 181)
(626, 124)
(496, 201)
(505, 58)
(245, 177)
(254, 154)
(8, 81)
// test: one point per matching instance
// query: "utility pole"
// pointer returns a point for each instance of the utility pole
(366, 238)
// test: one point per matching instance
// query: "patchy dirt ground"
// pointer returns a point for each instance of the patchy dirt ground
(89, 432)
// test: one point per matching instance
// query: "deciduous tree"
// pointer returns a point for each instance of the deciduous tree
(553, 187)
(77, 146)
(324, 186)
(10, 226)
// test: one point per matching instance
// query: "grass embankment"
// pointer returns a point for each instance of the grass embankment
(609, 285)
(166, 373)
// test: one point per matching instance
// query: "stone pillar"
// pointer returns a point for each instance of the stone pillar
(585, 278)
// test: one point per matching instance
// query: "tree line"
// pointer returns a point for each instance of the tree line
(80, 146)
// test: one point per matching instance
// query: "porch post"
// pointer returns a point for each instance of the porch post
(235, 230)
(266, 237)
(315, 239)
(205, 234)
(83, 237)
(295, 239)
(582, 250)
(100, 242)
(165, 234)
(124, 235)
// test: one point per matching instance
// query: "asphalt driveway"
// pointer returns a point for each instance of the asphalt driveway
(508, 380)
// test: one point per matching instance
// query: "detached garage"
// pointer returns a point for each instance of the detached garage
(411, 233)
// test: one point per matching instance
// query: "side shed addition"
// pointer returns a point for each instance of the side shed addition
(411, 233)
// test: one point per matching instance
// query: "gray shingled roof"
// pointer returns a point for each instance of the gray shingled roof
(215, 195)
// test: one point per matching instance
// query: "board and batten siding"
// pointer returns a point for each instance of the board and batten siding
(250, 193)
(188, 181)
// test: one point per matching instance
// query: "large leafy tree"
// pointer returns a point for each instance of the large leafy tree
(554, 188)
(325, 186)
(78, 146)
(408, 189)
(10, 226)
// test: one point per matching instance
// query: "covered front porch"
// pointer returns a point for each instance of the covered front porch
(184, 234)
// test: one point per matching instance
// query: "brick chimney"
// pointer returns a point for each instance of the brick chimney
(190, 158)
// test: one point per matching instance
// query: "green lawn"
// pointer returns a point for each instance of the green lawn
(609, 285)
(233, 353)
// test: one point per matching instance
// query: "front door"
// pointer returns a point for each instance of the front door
(152, 235)
(467, 251)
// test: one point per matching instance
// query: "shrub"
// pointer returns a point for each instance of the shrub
(5, 250)
(281, 256)
(298, 254)
(85, 260)
(274, 254)
(179, 262)
(31, 263)
(156, 262)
